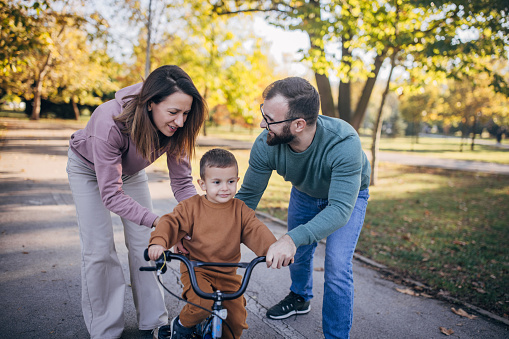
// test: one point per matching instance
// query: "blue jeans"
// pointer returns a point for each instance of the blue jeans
(337, 311)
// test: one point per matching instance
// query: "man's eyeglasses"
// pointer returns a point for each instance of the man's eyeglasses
(267, 123)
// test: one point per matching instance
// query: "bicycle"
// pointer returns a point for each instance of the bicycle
(210, 328)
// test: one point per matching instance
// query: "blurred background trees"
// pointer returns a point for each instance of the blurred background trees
(412, 66)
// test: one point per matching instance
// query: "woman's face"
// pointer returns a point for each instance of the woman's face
(171, 113)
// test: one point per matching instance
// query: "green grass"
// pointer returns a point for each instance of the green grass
(444, 148)
(447, 229)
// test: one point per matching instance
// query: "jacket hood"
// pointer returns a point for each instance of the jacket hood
(130, 90)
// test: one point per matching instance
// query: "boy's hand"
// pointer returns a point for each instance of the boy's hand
(155, 251)
(281, 252)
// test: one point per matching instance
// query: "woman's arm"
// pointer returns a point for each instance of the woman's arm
(108, 168)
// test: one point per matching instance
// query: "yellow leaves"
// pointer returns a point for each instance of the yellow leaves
(407, 291)
(462, 313)
(446, 331)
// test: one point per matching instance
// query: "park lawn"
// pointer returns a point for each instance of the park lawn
(447, 229)
(443, 148)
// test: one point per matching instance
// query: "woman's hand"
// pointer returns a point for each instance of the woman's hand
(179, 246)
(155, 251)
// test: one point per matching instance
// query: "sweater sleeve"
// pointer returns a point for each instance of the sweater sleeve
(257, 176)
(108, 168)
(255, 234)
(181, 180)
(171, 227)
(343, 191)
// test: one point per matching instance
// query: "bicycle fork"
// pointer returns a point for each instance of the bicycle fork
(213, 328)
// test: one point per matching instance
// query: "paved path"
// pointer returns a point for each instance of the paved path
(40, 275)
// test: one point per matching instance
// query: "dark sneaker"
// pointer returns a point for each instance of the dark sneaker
(163, 332)
(292, 304)
(180, 332)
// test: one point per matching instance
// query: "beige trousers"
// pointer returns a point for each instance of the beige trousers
(102, 277)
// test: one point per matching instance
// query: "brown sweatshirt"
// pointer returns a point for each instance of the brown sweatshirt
(216, 230)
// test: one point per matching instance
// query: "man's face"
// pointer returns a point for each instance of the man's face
(274, 110)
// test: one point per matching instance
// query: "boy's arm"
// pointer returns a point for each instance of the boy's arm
(255, 234)
(170, 228)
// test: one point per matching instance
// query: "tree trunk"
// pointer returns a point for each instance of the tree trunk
(36, 108)
(345, 92)
(325, 91)
(474, 127)
(205, 94)
(377, 130)
(75, 109)
(38, 83)
(149, 31)
(362, 105)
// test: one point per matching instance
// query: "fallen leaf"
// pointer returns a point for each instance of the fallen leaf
(462, 313)
(461, 243)
(407, 291)
(480, 290)
(446, 331)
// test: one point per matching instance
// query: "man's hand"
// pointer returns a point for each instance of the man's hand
(281, 252)
(155, 251)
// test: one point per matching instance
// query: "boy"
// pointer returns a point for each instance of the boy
(217, 224)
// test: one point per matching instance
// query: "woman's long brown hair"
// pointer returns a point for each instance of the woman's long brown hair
(138, 121)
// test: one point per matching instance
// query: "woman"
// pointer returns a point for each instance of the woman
(106, 173)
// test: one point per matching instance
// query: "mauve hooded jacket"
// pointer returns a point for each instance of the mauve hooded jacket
(112, 154)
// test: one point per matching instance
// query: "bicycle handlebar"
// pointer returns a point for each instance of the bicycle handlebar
(190, 264)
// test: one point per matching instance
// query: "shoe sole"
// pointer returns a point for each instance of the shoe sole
(288, 315)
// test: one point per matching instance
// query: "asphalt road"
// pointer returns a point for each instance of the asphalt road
(40, 262)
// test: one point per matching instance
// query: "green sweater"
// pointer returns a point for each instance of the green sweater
(334, 167)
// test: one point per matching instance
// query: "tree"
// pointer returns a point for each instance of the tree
(60, 39)
(226, 62)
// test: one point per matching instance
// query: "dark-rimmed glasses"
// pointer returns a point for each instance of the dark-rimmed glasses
(272, 123)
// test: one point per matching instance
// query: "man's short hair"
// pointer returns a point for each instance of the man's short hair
(303, 99)
(217, 157)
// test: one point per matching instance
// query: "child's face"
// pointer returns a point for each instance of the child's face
(220, 183)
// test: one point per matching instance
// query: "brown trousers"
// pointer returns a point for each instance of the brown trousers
(210, 281)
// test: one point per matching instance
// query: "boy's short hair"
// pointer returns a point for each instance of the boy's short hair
(217, 157)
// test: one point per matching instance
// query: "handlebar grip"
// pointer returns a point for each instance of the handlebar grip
(145, 255)
(148, 268)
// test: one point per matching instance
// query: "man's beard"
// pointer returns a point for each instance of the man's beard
(284, 138)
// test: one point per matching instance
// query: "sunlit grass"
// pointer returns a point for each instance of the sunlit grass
(452, 237)
(442, 147)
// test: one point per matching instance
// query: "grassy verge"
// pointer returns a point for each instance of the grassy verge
(447, 229)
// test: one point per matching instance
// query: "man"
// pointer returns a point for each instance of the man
(323, 159)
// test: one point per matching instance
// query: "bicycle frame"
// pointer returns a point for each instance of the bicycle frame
(218, 313)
